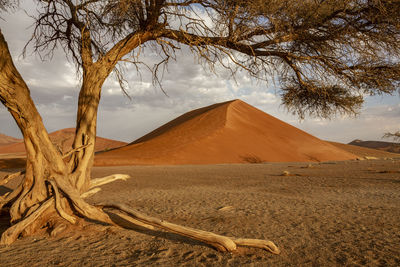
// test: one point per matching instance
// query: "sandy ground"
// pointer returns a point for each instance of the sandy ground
(327, 214)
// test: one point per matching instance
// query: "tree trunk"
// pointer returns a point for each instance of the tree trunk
(46, 171)
(94, 75)
(85, 133)
(43, 159)
(81, 162)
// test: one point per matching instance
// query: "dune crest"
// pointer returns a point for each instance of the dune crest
(8, 140)
(391, 147)
(63, 139)
(229, 132)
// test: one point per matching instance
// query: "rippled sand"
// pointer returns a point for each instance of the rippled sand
(324, 214)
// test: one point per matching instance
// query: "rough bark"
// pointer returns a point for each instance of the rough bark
(221, 243)
(43, 159)
(94, 75)
(31, 199)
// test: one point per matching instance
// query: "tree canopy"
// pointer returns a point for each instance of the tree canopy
(395, 136)
(325, 54)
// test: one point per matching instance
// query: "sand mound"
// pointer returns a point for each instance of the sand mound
(63, 139)
(229, 132)
(8, 140)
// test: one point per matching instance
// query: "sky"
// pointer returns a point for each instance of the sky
(54, 88)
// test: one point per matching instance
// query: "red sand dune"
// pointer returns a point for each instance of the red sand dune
(63, 138)
(8, 140)
(229, 132)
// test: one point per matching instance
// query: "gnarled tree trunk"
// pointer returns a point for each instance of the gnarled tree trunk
(52, 190)
(43, 159)
(81, 162)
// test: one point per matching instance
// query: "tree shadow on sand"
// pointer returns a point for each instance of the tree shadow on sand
(4, 216)
(12, 163)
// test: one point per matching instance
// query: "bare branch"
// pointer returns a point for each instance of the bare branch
(394, 136)
(108, 179)
(69, 153)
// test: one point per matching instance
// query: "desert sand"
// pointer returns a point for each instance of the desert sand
(229, 132)
(325, 214)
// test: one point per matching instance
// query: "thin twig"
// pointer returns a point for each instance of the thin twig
(75, 150)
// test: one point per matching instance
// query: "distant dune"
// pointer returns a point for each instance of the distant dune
(364, 151)
(229, 132)
(63, 139)
(8, 140)
(384, 146)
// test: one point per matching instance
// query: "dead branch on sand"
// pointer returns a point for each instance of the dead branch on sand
(221, 243)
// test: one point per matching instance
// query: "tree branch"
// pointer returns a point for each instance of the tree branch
(108, 179)
(58, 204)
(221, 243)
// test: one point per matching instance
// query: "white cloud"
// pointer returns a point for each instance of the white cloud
(54, 86)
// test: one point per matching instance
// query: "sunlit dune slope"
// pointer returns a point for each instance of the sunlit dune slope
(8, 140)
(63, 139)
(229, 132)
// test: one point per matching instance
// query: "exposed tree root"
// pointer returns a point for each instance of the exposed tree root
(58, 229)
(59, 207)
(9, 177)
(221, 243)
(10, 196)
(257, 243)
(108, 179)
(91, 192)
(32, 221)
(33, 213)
(134, 221)
(94, 183)
(12, 233)
(80, 205)
(4, 197)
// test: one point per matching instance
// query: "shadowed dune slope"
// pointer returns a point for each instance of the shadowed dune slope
(384, 146)
(229, 132)
(8, 140)
(63, 139)
(364, 151)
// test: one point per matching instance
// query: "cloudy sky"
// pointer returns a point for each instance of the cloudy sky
(54, 88)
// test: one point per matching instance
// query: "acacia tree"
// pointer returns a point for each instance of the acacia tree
(326, 55)
(395, 136)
